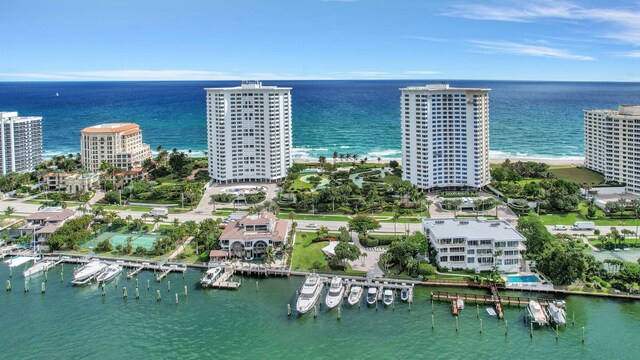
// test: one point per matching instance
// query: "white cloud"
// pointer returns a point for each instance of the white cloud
(422, 72)
(526, 49)
(629, 54)
(622, 24)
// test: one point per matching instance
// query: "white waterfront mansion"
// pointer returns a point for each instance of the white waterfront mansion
(477, 244)
(249, 132)
(445, 136)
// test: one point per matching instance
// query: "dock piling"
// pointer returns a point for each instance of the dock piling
(168, 285)
(103, 291)
(147, 284)
(46, 276)
(315, 311)
(506, 327)
(288, 309)
(186, 293)
(10, 273)
(457, 324)
(433, 322)
(480, 326)
(340, 312)
(26, 286)
(557, 332)
(573, 319)
(158, 296)
(531, 329)
(583, 334)
(257, 286)
(137, 293)
(477, 311)
(61, 275)
(124, 293)
(136, 282)
(8, 285)
(177, 299)
(116, 282)
(42, 288)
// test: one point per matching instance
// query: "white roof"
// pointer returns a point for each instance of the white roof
(472, 229)
(249, 85)
(440, 88)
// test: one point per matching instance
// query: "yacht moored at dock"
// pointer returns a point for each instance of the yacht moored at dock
(88, 271)
(372, 295)
(355, 295)
(335, 293)
(387, 297)
(309, 293)
(110, 273)
(557, 314)
(38, 267)
(212, 275)
(536, 313)
(19, 260)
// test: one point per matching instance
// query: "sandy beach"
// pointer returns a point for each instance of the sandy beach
(496, 160)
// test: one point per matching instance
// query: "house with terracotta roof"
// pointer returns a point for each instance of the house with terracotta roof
(45, 222)
(251, 235)
(70, 183)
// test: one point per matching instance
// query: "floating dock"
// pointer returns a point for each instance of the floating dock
(223, 282)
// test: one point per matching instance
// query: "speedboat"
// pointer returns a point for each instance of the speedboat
(309, 293)
(404, 294)
(491, 312)
(387, 297)
(112, 271)
(557, 314)
(211, 276)
(88, 271)
(354, 295)
(372, 295)
(536, 313)
(335, 293)
(38, 267)
(19, 260)
(460, 303)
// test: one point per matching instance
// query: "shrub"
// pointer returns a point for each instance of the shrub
(255, 198)
(426, 269)
(201, 175)
(370, 242)
(104, 246)
(141, 250)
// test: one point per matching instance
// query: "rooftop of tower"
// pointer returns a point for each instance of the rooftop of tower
(249, 85)
(441, 87)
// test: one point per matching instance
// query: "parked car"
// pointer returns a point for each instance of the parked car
(560, 227)
(312, 226)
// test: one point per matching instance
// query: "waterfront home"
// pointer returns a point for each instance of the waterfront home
(251, 235)
(70, 183)
(476, 244)
(45, 222)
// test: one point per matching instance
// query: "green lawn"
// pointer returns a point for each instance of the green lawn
(221, 213)
(570, 218)
(306, 253)
(578, 175)
(38, 202)
(392, 179)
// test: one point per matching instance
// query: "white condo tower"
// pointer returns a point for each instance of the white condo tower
(249, 132)
(445, 136)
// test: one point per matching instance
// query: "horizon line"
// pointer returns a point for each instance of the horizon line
(319, 79)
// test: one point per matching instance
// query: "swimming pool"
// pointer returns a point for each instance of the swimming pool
(308, 171)
(522, 278)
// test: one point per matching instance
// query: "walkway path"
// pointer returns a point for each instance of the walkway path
(370, 261)
(180, 248)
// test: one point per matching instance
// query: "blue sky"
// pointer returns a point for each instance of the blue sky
(319, 39)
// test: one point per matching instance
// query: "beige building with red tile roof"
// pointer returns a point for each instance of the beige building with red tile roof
(250, 236)
(119, 144)
(45, 222)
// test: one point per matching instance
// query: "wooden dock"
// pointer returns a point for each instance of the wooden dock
(223, 281)
(488, 299)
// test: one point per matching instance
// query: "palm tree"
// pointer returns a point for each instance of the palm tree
(341, 156)
(396, 216)
(456, 204)
(55, 200)
(157, 219)
(9, 211)
(635, 206)
(335, 156)
(477, 204)
(292, 215)
(268, 255)
(364, 257)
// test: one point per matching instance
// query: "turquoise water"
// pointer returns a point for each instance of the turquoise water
(528, 118)
(523, 278)
(144, 240)
(77, 322)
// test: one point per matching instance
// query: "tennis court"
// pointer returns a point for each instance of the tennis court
(624, 255)
(144, 240)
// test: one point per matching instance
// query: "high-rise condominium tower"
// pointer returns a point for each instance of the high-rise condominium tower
(21, 142)
(249, 132)
(119, 144)
(612, 144)
(445, 136)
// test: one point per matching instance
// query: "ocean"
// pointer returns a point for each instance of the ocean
(70, 322)
(528, 119)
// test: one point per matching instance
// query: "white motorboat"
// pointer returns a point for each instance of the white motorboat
(212, 275)
(112, 271)
(38, 267)
(460, 303)
(354, 295)
(88, 271)
(557, 314)
(491, 312)
(404, 294)
(335, 293)
(372, 295)
(536, 313)
(19, 260)
(309, 293)
(387, 297)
